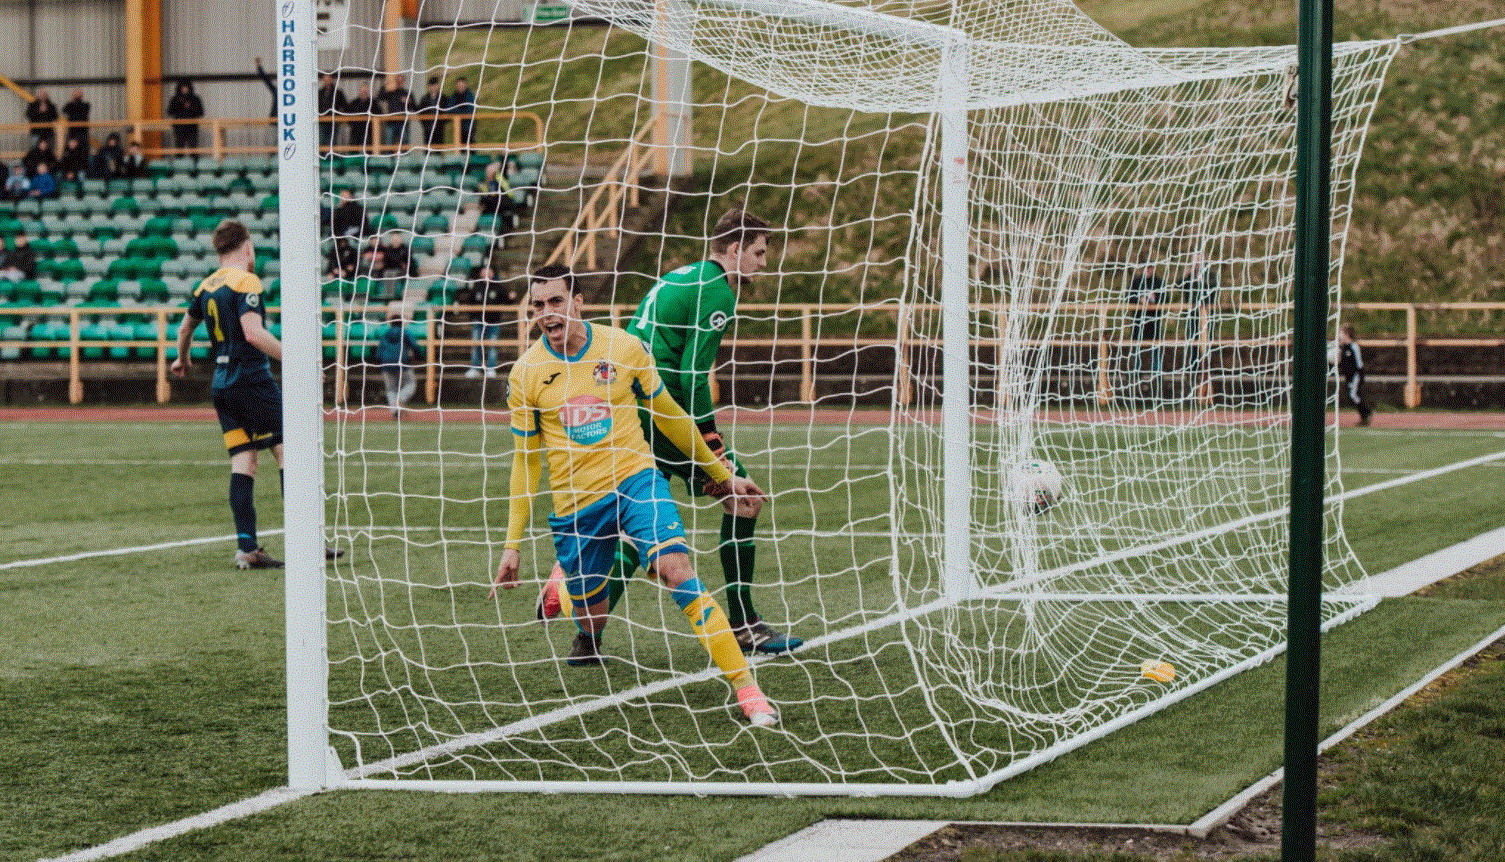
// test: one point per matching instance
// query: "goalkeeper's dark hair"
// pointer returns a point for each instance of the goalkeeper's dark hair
(229, 236)
(737, 226)
(557, 272)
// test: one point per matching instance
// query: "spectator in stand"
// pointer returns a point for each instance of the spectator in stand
(342, 259)
(397, 257)
(20, 262)
(360, 117)
(185, 105)
(18, 184)
(373, 260)
(42, 114)
(44, 184)
(496, 201)
(74, 162)
(331, 101)
(462, 101)
(41, 153)
(396, 352)
(77, 112)
(105, 163)
(427, 109)
(133, 166)
(1146, 294)
(349, 218)
(271, 82)
(393, 103)
(498, 301)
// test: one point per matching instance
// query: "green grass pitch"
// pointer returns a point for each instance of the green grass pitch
(143, 686)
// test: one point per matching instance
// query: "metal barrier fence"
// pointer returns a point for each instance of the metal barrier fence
(802, 329)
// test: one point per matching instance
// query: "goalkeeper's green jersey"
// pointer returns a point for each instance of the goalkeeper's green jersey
(680, 321)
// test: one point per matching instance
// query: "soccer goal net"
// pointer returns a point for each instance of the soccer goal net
(1016, 380)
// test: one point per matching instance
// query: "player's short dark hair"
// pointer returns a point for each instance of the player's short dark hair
(229, 236)
(557, 272)
(737, 226)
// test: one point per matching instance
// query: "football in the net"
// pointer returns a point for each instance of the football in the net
(1036, 485)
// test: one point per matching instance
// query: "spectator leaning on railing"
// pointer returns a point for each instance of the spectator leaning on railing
(77, 112)
(185, 105)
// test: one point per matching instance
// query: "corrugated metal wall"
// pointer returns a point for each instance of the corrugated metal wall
(207, 41)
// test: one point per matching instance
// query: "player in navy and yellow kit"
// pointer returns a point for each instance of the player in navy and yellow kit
(246, 397)
(574, 394)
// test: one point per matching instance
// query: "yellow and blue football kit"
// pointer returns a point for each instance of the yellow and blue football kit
(582, 410)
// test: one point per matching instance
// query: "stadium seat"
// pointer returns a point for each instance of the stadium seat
(27, 291)
(129, 292)
(434, 224)
(121, 267)
(477, 243)
(158, 226)
(44, 337)
(145, 331)
(104, 290)
(442, 292)
(13, 333)
(460, 267)
(124, 205)
(70, 269)
(64, 247)
(153, 292)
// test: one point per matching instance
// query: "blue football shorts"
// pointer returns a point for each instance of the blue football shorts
(640, 510)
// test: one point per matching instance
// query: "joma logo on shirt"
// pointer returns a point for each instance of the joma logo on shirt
(586, 419)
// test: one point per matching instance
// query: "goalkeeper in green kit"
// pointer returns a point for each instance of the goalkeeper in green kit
(681, 322)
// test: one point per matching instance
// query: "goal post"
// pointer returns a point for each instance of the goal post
(303, 398)
(1004, 238)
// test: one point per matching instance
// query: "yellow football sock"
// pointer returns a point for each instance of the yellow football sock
(709, 623)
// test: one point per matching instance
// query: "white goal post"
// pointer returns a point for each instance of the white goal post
(1060, 248)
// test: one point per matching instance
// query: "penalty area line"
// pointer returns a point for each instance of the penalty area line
(138, 549)
(224, 814)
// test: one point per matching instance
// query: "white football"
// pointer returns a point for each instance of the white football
(1036, 485)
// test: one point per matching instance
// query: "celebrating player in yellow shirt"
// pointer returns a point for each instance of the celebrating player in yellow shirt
(575, 394)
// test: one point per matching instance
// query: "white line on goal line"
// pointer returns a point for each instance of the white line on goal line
(111, 552)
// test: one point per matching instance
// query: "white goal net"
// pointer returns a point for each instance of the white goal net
(1001, 236)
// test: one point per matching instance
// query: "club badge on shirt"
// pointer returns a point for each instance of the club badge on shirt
(604, 374)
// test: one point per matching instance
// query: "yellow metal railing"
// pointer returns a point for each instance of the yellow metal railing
(216, 144)
(1108, 337)
(602, 212)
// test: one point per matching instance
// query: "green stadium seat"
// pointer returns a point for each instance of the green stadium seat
(52, 293)
(158, 226)
(442, 291)
(64, 246)
(460, 267)
(120, 331)
(104, 290)
(153, 292)
(27, 291)
(45, 335)
(142, 331)
(124, 205)
(9, 226)
(239, 185)
(434, 224)
(121, 267)
(269, 204)
(477, 243)
(46, 268)
(421, 245)
(12, 332)
(148, 267)
(70, 269)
